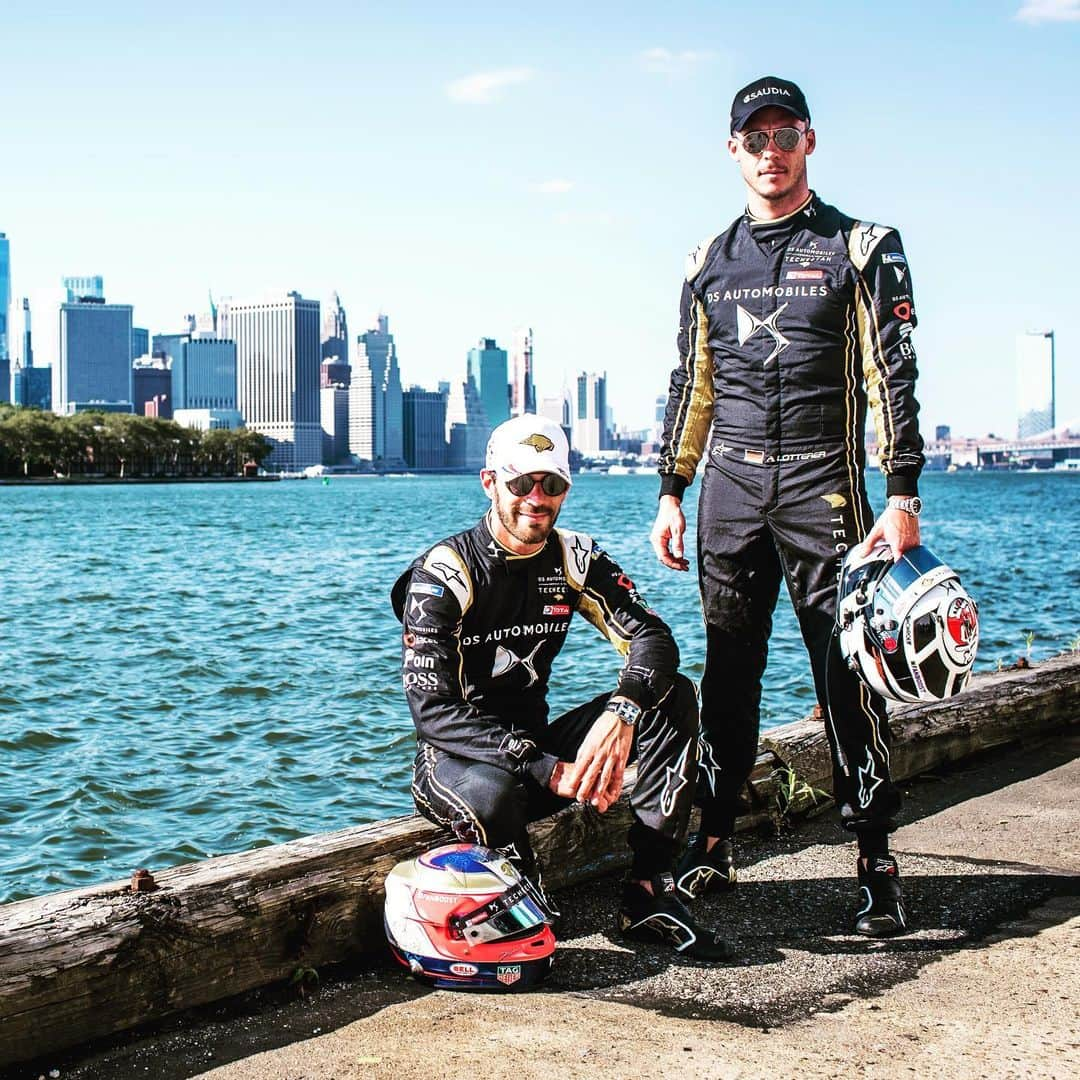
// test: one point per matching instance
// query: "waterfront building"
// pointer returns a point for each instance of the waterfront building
(334, 418)
(5, 305)
(424, 428)
(84, 288)
(590, 420)
(335, 333)
(151, 387)
(93, 368)
(204, 374)
(209, 419)
(31, 385)
(277, 374)
(487, 369)
(467, 427)
(557, 409)
(332, 373)
(140, 342)
(522, 387)
(1034, 383)
(375, 420)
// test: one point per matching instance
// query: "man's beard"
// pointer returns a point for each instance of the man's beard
(526, 533)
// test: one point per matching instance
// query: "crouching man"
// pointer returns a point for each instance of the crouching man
(485, 613)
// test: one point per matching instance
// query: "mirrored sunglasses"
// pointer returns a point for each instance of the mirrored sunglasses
(786, 138)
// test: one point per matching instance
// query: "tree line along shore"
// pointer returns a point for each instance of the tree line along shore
(35, 444)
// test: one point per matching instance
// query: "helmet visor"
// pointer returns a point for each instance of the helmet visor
(916, 573)
(516, 911)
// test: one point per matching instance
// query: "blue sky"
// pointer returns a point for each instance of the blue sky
(473, 171)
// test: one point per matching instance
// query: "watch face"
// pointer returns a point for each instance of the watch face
(915, 505)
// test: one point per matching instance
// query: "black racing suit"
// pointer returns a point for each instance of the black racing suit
(482, 627)
(787, 329)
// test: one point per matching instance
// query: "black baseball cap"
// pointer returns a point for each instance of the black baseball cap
(768, 90)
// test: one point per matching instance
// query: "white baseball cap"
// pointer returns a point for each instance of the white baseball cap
(527, 444)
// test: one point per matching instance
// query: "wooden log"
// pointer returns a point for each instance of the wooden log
(83, 964)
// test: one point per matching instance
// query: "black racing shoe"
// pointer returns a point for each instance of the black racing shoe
(700, 871)
(881, 913)
(661, 916)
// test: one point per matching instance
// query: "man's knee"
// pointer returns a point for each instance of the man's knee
(681, 707)
(492, 799)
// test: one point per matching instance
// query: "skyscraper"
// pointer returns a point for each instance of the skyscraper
(140, 342)
(94, 363)
(5, 304)
(151, 388)
(467, 427)
(277, 373)
(335, 332)
(30, 385)
(1034, 383)
(487, 369)
(91, 287)
(590, 414)
(522, 388)
(375, 421)
(424, 423)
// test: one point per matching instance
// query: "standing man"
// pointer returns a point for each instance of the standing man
(791, 321)
(485, 613)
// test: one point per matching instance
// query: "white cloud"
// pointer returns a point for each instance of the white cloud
(1040, 11)
(485, 87)
(665, 62)
(553, 187)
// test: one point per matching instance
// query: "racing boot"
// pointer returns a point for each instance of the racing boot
(881, 912)
(660, 916)
(700, 871)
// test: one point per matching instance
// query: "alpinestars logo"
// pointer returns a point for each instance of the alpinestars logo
(869, 781)
(676, 781)
(749, 325)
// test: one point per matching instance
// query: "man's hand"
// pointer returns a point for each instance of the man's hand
(597, 775)
(559, 782)
(667, 533)
(898, 528)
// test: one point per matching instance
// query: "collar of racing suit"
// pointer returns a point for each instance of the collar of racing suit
(497, 552)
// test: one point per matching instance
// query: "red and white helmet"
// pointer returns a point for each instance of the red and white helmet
(908, 629)
(462, 917)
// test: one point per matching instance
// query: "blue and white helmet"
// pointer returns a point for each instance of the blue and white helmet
(908, 629)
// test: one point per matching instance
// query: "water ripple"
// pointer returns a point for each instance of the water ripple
(215, 667)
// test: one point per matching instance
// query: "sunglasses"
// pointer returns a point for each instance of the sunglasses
(786, 138)
(550, 484)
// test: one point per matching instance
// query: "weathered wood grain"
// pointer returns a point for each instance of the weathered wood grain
(86, 963)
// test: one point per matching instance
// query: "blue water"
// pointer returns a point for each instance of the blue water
(189, 670)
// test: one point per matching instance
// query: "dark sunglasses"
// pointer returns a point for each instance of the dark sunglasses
(786, 138)
(550, 484)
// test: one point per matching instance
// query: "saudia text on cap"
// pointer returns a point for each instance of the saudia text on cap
(766, 90)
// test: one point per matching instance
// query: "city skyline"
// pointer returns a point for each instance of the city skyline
(365, 180)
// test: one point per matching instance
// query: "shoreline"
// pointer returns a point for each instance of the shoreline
(980, 986)
(92, 962)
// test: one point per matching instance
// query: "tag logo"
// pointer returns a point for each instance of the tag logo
(508, 974)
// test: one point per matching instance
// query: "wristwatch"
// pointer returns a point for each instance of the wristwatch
(626, 711)
(910, 504)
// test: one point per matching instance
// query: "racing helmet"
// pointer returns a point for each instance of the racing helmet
(462, 917)
(908, 628)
